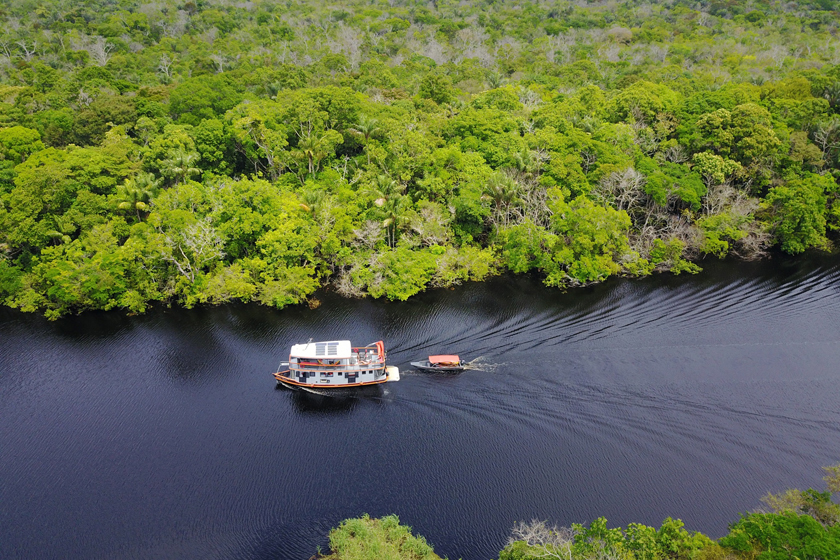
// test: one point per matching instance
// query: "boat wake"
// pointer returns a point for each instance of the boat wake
(480, 364)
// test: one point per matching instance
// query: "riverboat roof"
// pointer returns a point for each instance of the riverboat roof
(446, 359)
(333, 350)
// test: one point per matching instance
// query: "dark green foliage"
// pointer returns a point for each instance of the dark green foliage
(784, 536)
(10, 279)
(670, 179)
(437, 87)
(93, 121)
(799, 209)
(203, 97)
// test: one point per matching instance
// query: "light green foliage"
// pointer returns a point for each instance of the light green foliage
(54, 182)
(804, 152)
(593, 243)
(672, 179)
(642, 541)
(596, 541)
(397, 273)
(284, 285)
(713, 168)
(246, 210)
(668, 254)
(643, 101)
(832, 478)
(17, 143)
(720, 230)
(526, 246)
(172, 139)
(799, 525)
(134, 194)
(437, 87)
(92, 272)
(490, 132)
(753, 135)
(520, 550)
(186, 237)
(289, 241)
(810, 502)
(377, 539)
(503, 98)
(261, 135)
(455, 266)
(745, 133)
(214, 144)
(615, 147)
(674, 542)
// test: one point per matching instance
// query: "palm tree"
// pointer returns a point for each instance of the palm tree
(394, 211)
(496, 80)
(135, 193)
(308, 145)
(832, 94)
(314, 148)
(64, 228)
(366, 128)
(313, 201)
(180, 165)
(503, 192)
(382, 188)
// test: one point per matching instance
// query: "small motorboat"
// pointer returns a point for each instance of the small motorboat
(444, 363)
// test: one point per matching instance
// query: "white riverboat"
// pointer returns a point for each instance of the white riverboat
(336, 364)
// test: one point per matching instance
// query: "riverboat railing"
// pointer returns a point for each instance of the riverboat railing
(364, 358)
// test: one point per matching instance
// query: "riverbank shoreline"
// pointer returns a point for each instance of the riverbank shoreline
(330, 292)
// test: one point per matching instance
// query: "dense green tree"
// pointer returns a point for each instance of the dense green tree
(437, 87)
(92, 121)
(782, 537)
(377, 539)
(17, 143)
(799, 212)
(203, 97)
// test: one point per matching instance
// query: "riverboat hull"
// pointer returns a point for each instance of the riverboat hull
(284, 380)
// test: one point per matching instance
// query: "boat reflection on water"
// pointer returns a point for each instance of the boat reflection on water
(334, 400)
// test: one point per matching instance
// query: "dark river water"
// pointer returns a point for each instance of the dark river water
(163, 436)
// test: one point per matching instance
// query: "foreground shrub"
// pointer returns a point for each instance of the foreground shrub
(377, 539)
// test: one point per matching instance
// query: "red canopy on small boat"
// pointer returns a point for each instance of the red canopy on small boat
(445, 359)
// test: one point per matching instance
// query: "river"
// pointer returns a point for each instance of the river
(163, 436)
